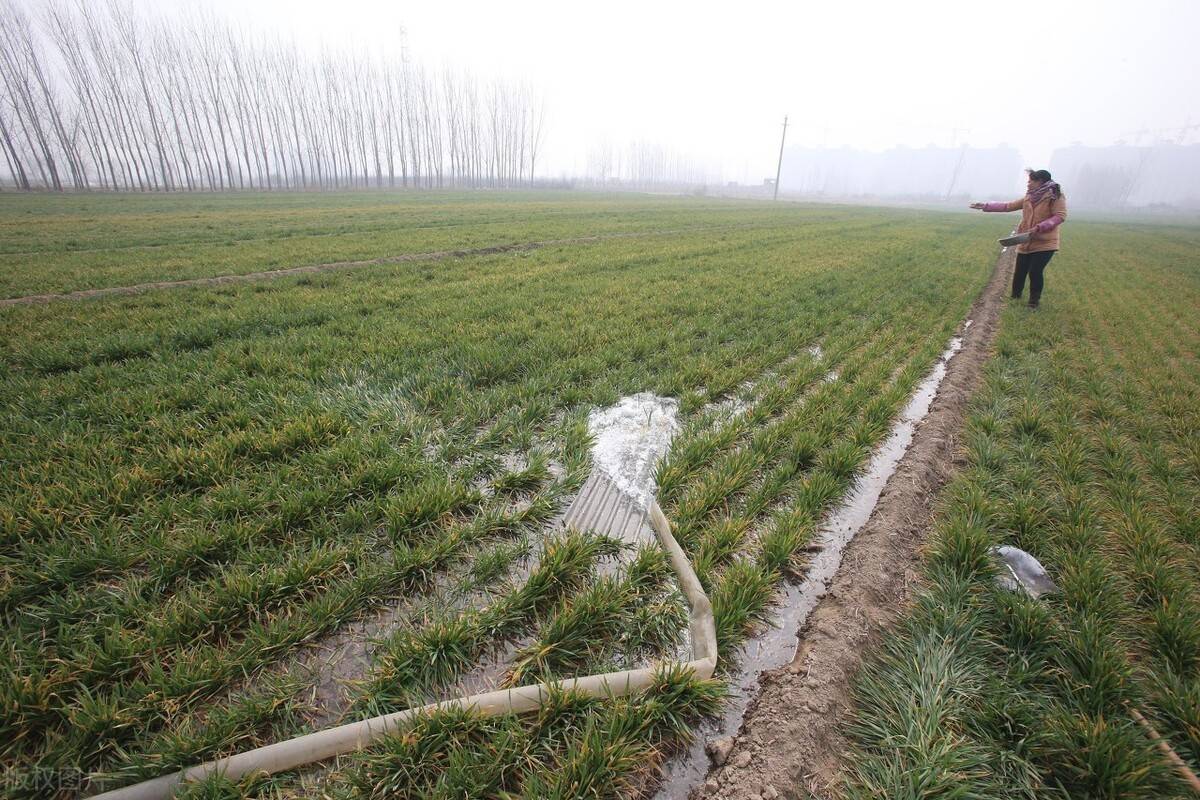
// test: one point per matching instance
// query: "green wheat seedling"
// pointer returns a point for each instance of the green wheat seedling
(415, 663)
(578, 632)
(1077, 451)
(200, 483)
(459, 753)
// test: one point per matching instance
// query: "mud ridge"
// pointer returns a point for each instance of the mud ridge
(250, 277)
(790, 743)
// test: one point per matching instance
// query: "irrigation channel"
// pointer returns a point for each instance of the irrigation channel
(777, 646)
(618, 499)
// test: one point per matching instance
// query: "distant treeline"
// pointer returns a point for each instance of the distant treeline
(93, 96)
(641, 164)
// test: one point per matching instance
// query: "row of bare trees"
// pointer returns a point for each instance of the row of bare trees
(645, 164)
(94, 95)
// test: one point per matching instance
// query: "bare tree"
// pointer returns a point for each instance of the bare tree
(11, 156)
(17, 68)
(94, 95)
(130, 36)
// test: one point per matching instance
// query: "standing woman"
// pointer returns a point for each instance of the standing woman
(1043, 209)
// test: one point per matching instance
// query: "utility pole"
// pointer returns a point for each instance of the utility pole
(779, 166)
(962, 154)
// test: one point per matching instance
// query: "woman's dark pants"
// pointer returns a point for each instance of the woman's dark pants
(1033, 265)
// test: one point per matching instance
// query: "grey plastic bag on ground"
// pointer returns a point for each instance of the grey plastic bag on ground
(1019, 571)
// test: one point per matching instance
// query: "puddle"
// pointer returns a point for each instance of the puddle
(489, 673)
(629, 439)
(335, 663)
(777, 645)
(730, 409)
(361, 396)
(331, 663)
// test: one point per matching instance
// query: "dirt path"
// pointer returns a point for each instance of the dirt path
(790, 745)
(436, 255)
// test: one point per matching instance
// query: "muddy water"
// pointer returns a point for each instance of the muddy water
(777, 646)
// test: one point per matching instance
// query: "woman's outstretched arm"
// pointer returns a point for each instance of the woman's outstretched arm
(1000, 205)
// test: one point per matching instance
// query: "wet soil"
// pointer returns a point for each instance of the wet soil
(789, 744)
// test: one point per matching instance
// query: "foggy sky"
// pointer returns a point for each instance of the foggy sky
(714, 81)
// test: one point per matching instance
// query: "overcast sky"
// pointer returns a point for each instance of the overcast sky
(714, 80)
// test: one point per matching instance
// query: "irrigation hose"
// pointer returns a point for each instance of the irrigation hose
(1181, 768)
(330, 742)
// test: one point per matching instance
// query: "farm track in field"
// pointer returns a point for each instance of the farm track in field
(790, 737)
(308, 269)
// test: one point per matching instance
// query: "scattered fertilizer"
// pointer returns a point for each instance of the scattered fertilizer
(629, 438)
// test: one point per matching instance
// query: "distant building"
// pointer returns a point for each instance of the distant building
(1121, 175)
(927, 173)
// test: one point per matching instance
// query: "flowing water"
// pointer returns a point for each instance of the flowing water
(628, 440)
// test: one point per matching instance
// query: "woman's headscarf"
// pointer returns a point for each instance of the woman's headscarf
(1048, 189)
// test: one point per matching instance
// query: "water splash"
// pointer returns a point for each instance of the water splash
(629, 438)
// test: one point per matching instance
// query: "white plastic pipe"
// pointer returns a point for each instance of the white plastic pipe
(330, 742)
